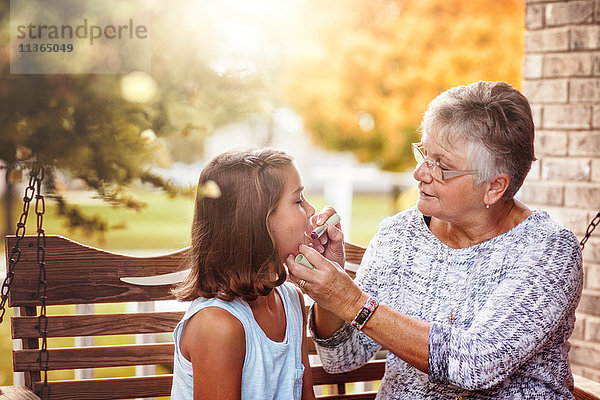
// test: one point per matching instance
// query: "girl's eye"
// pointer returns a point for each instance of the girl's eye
(301, 200)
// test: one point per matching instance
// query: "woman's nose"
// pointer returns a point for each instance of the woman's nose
(422, 173)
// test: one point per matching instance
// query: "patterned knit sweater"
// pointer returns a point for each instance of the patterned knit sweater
(512, 299)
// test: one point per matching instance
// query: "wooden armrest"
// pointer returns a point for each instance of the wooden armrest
(17, 393)
(586, 389)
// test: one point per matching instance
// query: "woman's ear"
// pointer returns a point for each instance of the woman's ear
(496, 188)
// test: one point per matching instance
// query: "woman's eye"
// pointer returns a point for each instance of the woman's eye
(440, 166)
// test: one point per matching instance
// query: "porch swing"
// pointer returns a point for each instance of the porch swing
(53, 270)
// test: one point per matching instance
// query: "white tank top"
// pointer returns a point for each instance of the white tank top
(271, 370)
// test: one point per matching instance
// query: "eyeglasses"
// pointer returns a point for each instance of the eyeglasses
(437, 172)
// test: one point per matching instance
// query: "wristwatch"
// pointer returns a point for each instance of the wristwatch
(365, 313)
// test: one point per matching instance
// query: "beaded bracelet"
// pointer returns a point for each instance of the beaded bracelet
(365, 313)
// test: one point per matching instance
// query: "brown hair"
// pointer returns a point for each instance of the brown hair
(233, 254)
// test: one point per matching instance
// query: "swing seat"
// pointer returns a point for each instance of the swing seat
(78, 274)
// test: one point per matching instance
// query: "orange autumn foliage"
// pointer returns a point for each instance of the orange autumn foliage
(362, 73)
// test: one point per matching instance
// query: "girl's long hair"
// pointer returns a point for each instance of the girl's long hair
(233, 254)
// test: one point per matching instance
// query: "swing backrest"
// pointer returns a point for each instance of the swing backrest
(78, 274)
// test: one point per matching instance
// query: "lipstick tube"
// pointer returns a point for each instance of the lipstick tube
(334, 219)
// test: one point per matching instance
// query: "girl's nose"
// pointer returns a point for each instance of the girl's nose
(310, 210)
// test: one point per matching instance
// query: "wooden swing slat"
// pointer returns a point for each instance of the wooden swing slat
(586, 389)
(98, 324)
(100, 389)
(96, 357)
(354, 253)
(79, 274)
(352, 396)
(367, 372)
(17, 393)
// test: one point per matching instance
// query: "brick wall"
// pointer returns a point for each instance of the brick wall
(562, 81)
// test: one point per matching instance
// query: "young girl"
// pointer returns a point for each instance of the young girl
(243, 336)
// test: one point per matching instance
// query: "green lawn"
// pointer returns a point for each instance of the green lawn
(164, 225)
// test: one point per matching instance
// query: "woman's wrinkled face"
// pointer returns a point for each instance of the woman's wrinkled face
(290, 220)
(452, 199)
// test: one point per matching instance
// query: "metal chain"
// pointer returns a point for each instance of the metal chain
(36, 176)
(40, 209)
(15, 253)
(593, 224)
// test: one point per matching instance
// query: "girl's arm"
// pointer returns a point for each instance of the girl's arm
(214, 341)
(307, 382)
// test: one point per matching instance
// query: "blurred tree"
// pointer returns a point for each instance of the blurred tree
(90, 127)
(362, 73)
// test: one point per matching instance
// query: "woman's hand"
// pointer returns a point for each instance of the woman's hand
(327, 284)
(331, 242)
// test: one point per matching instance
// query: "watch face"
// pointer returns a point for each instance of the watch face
(362, 316)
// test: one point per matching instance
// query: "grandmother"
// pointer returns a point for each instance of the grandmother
(472, 293)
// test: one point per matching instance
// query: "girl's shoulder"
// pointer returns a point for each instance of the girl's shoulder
(215, 320)
(212, 327)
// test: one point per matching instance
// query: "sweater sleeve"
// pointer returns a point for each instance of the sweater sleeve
(537, 297)
(348, 349)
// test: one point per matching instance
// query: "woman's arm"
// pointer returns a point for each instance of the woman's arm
(308, 392)
(404, 336)
(214, 341)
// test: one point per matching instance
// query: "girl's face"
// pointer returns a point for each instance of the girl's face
(291, 218)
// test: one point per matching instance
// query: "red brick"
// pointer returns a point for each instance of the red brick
(534, 16)
(574, 219)
(550, 143)
(585, 354)
(555, 39)
(595, 62)
(592, 278)
(543, 193)
(532, 66)
(566, 169)
(568, 64)
(588, 373)
(586, 37)
(591, 252)
(584, 143)
(537, 113)
(596, 170)
(579, 331)
(582, 195)
(577, 116)
(571, 12)
(584, 90)
(546, 90)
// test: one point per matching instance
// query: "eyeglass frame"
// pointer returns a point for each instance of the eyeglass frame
(435, 166)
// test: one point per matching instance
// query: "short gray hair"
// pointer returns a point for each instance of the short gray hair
(490, 120)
